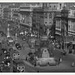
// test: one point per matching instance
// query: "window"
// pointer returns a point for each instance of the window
(41, 16)
(58, 24)
(45, 4)
(50, 22)
(45, 22)
(69, 26)
(50, 15)
(50, 6)
(54, 6)
(74, 14)
(45, 15)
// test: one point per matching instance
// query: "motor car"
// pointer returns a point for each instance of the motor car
(18, 46)
(7, 62)
(10, 49)
(16, 55)
(21, 67)
(4, 50)
(7, 56)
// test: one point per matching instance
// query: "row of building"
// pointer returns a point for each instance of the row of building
(40, 14)
(12, 10)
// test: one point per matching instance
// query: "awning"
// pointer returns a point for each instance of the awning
(25, 25)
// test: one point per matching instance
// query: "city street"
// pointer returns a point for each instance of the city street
(64, 66)
(37, 37)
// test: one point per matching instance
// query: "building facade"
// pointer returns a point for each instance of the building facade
(71, 18)
(26, 11)
(71, 23)
(50, 11)
(0, 10)
(38, 20)
(14, 14)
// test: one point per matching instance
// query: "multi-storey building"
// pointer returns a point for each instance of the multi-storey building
(50, 10)
(5, 10)
(6, 13)
(38, 20)
(14, 11)
(26, 10)
(62, 23)
(71, 18)
(71, 22)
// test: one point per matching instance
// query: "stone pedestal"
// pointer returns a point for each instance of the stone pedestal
(45, 54)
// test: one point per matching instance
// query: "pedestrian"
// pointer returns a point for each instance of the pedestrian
(70, 47)
(51, 48)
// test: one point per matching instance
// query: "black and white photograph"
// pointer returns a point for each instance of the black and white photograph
(37, 37)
